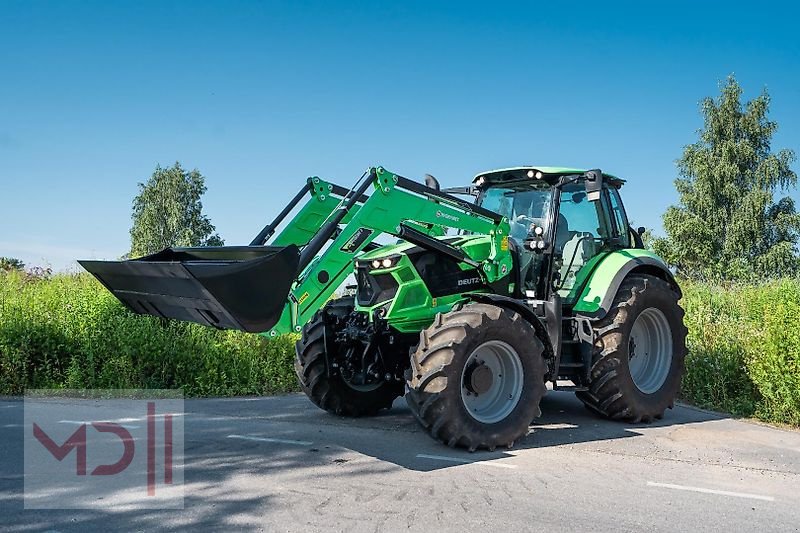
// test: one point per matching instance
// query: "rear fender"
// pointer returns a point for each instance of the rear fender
(600, 289)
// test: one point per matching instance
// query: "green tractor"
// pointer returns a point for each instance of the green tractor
(482, 295)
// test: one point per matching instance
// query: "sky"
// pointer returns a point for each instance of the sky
(260, 95)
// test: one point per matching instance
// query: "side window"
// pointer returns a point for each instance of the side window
(581, 233)
(622, 233)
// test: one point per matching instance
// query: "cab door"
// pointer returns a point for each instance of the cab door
(584, 234)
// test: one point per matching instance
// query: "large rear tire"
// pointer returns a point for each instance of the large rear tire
(639, 353)
(331, 392)
(477, 377)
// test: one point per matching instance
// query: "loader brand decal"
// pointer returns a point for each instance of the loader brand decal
(302, 298)
(504, 244)
(448, 216)
(356, 240)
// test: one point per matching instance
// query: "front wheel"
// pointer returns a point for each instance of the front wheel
(477, 377)
(639, 353)
(332, 392)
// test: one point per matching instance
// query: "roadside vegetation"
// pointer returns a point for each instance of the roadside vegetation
(744, 349)
(68, 331)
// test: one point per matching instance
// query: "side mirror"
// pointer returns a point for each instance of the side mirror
(640, 230)
(593, 184)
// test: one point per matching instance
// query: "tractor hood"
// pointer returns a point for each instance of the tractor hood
(472, 245)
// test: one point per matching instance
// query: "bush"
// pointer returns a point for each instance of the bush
(70, 332)
(744, 349)
(67, 331)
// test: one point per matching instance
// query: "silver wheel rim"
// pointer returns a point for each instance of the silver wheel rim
(503, 394)
(650, 350)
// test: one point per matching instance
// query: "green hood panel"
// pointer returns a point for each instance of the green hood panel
(469, 243)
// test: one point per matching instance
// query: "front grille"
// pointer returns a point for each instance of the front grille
(374, 288)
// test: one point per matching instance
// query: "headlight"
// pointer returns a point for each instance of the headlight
(386, 262)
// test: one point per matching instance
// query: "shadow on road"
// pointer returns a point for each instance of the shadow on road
(564, 421)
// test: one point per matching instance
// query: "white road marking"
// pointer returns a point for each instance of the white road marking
(268, 439)
(463, 461)
(712, 491)
(89, 422)
(555, 426)
(144, 418)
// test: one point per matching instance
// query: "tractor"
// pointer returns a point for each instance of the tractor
(467, 300)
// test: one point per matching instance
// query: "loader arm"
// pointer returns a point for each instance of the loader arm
(399, 207)
(281, 279)
(325, 199)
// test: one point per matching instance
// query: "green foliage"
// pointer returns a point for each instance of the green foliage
(8, 264)
(70, 332)
(67, 331)
(168, 212)
(727, 225)
(744, 349)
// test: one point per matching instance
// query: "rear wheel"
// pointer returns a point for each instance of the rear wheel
(476, 377)
(332, 392)
(639, 352)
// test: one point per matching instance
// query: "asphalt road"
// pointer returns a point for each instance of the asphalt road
(280, 464)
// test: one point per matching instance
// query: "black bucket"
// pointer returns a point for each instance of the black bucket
(228, 287)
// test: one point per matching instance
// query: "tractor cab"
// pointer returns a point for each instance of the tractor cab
(562, 221)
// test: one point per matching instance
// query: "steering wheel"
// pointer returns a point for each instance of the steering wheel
(522, 226)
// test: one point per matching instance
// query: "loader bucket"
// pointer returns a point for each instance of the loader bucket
(228, 287)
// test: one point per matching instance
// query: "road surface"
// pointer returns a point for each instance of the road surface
(280, 464)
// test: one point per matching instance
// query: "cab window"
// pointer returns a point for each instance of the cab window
(582, 232)
(622, 235)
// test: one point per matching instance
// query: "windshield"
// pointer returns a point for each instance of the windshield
(526, 206)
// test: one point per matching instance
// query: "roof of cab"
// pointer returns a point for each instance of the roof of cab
(552, 172)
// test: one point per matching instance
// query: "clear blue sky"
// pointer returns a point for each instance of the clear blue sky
(259, 95)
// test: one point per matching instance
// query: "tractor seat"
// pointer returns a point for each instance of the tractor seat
(577, 250)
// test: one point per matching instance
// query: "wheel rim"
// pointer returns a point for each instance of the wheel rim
(362, 388)
(650, 350)
(491, 382)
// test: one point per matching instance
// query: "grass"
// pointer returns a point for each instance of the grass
(67, 331)
(744, 349)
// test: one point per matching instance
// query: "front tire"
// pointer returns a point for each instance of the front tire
(639, 353)
(477, 377)
(331, 392)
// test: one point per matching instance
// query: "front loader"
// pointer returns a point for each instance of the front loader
(484, 294)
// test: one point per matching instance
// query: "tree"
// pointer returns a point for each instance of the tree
(726, 224)
(7, 264)
(168, 212)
